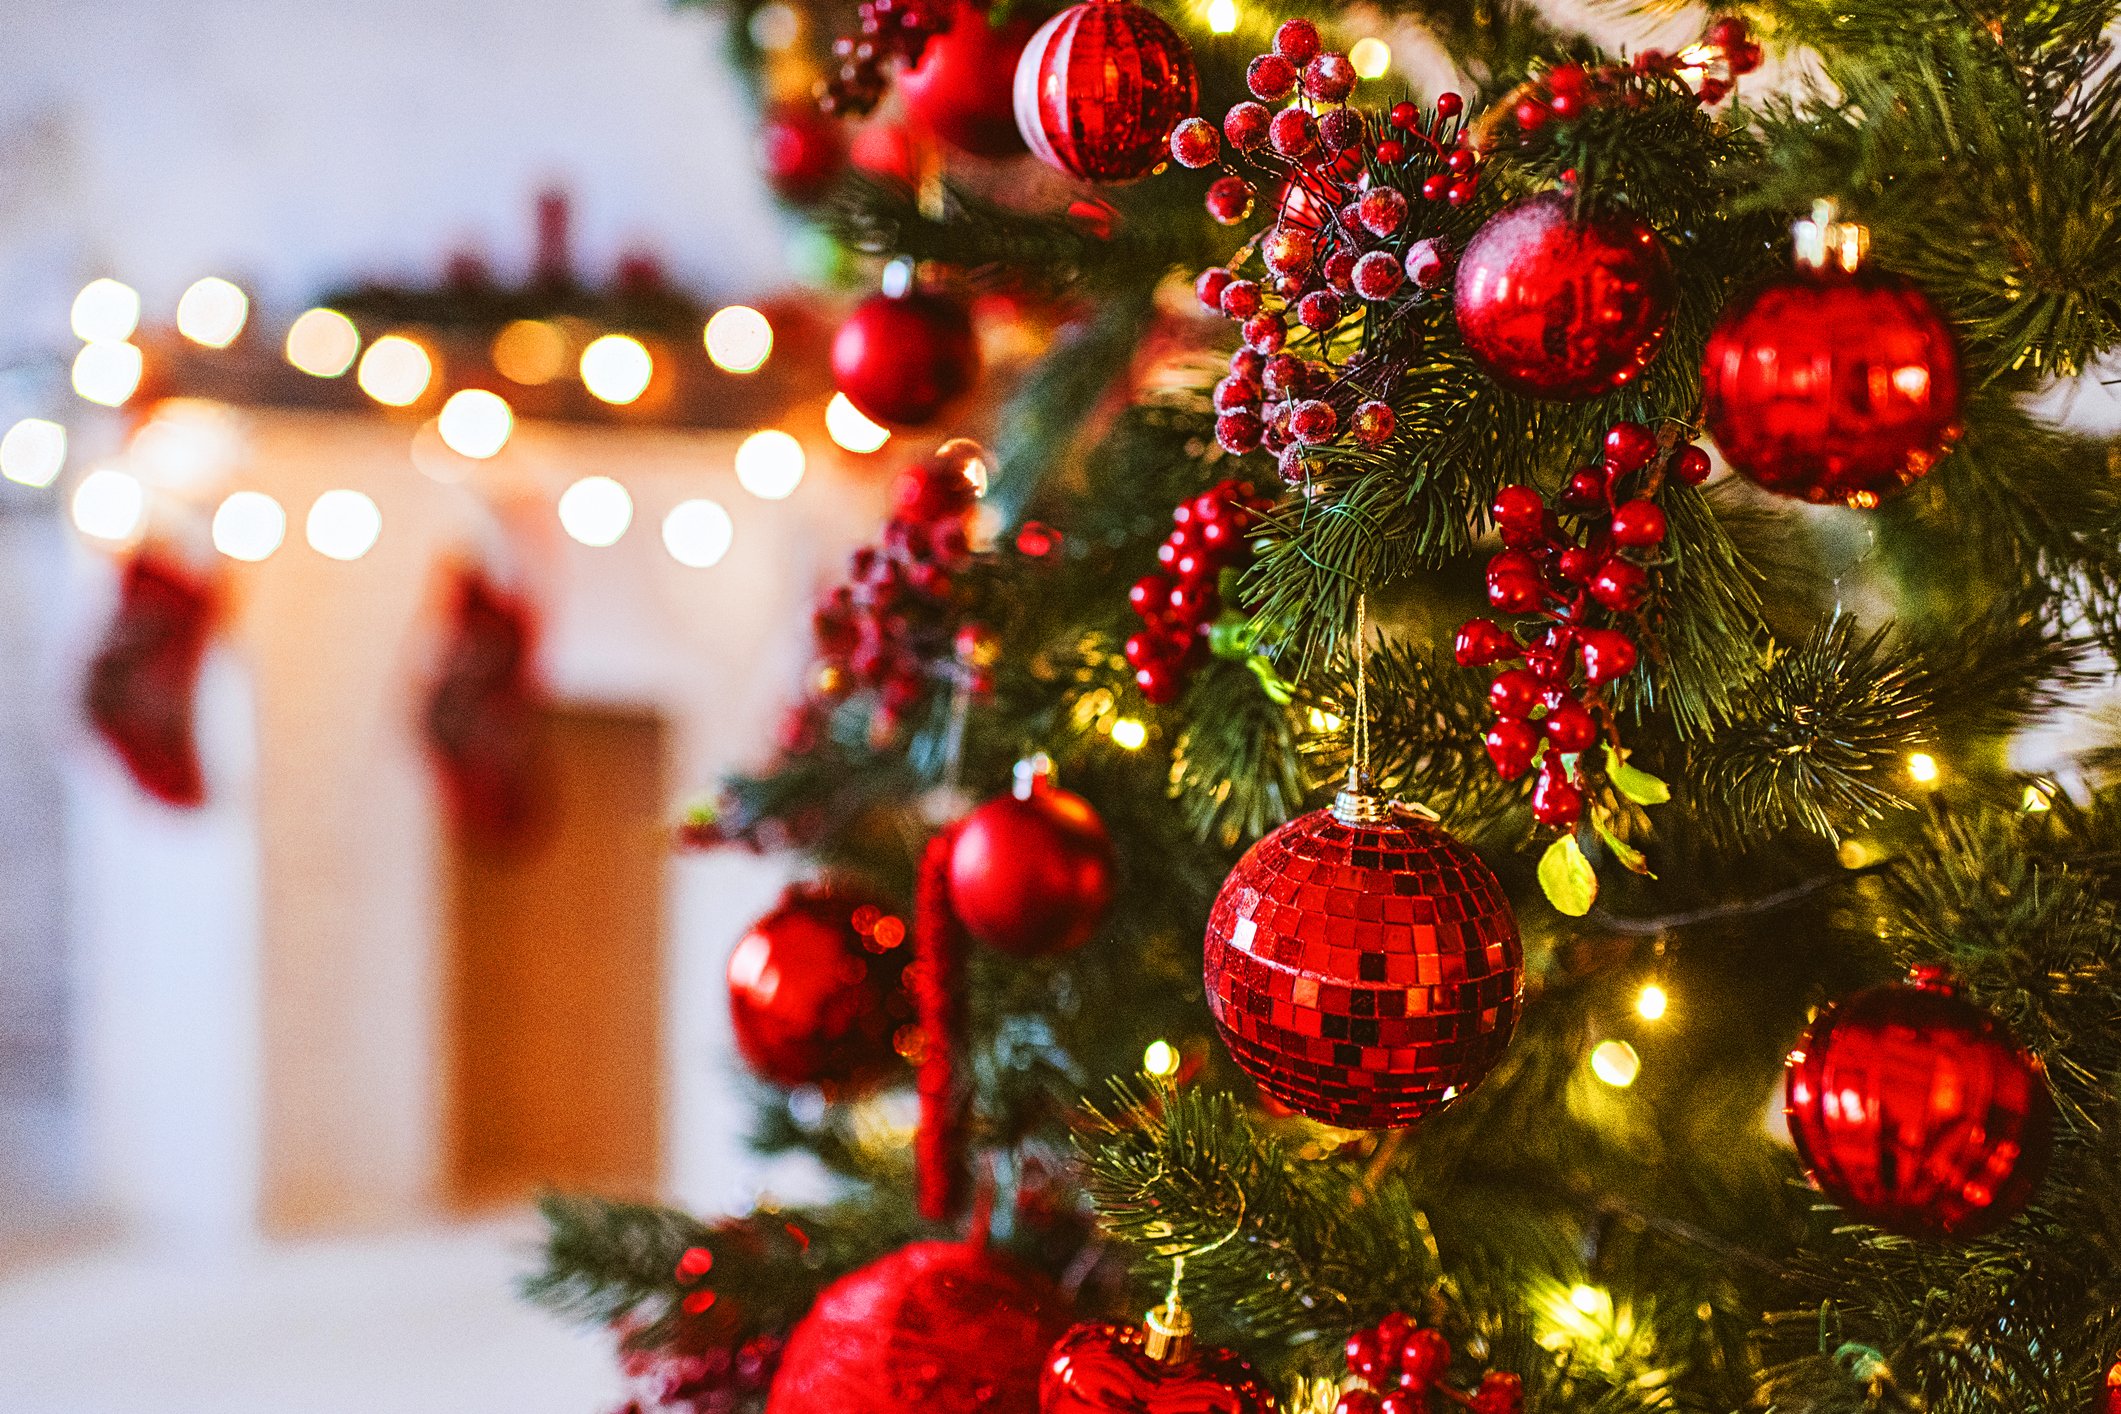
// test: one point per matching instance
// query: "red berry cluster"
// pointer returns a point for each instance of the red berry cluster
(1353, 239)
(897, 617)
(1566, 93)
(1404, 1364)
(1179, 606)
(890, 29)
(1575, 586)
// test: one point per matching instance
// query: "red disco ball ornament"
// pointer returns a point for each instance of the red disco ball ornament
(1553, 306)
(963, 89)
(1363, 966)
(1918, 1112)
(1833, 387)
(1031, 872)
(901, 359)
(814, 989)
(1107, 1368)
(937, 1327)
(1101, 86)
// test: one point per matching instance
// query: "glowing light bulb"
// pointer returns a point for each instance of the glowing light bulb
(106, 312)
(395, 371)
(322, 343)
(770, 464)
(739, 339)
(1222, 16)
(1370, 56)
(1161, 1059)
(2036, 799)
(109, 505)
(212, 312)
(851, 429)
(1616, 1063)
(249, 526)
(343, 525)
(596, 511)
(1922, 767)
(1129, 733)
(616, 368)
(1587, 1299)
(530, 352)
(698, 533)
(1650, 1006)
(108, 373)
(475, 423)
(33, 452)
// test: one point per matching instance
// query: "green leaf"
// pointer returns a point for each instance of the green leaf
(1636, 784)
(1631, 858)
(1571, 884)
(1272, 683)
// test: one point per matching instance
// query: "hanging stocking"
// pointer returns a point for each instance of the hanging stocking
(482, 712)
(143, 678)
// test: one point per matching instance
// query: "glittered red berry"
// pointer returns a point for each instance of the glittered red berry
(1297, 41)
(814, 998)
(1639, 525)
(1340, 130)
(1032, 874)
(1264, 332)
(1196, 143)
(902, 360)
(1555, 802)
(1427, 264)
(1519, 506)
(1293, 133)
(1382, 211)
(1313, 422)
(1289, 250)
(1248, 363)
(1209, 287)
(1319, 310)
(1271, 77)
(1329, 78)
(1241, 299)
(1238, 432)
(1246, 125)
(1229, 200)
(1570, 725)
(1378, 275)
(1607, 654)
(1620, 585)
(1628, 448)
(1234, 392)
(1480, 642)
(1286, 376)
(1554, 307)
(1339, 271)
(1500, 1392)
(1512, 746)
(1100, 87)
(963, 88)
(1373, 423)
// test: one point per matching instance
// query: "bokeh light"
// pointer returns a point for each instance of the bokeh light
(1923, 768)
(249, 526)
(596, 511)
(1616, 1063)
(530, 351)
(212, 312)
(475, 423)
(106, 311)
(33, 452)
(851, 429)
(1222, 16)
(1652, 1002)
(343, 525)
(395, 371)
(1161, 1059)
(775, 27)
(110, 505)
(698, 533)
(187, 444)
(1130, 733)
(1370, 56)
(108, 373)
(739, 339)
(322, 343)
(770, 464)
(616, 368)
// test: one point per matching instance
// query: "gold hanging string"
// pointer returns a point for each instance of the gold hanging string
(1359, 755)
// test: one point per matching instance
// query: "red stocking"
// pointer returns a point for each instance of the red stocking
(143, 678)
(482, 713)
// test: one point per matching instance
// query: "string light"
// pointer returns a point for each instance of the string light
(395, 371)
(475, 423)
(1587, 1299)
(1651, 1004)
(1129, 733)
(616, 369)
(1922, 767)
(851, 429)
(1616, 1063)
(1161, 1059)
(1222, 16)
(698, 533)
(2036, 798)
(739, 339)
(107, 372)
(106, 312)
(212, 312)
(770, 464)
(109, 505)
(322, 343)
(33, 452)
(596, 511)
(530, 351)
(343, 525)
(249, 526)
(1370, 56)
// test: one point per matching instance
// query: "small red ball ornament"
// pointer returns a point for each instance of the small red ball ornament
(800, 151)
(1918, 1111)
(1101, 86)
(1832, 386)
(1556, 307)
(1107, 1368)
(939, 1327)
(1031, 872)
(900, 360)
(963, 89)
(1363, 965)
(814, 994)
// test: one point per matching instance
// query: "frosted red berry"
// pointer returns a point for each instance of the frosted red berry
(1289, 250)
(1234, 392)
(1319, 310)
(1382, 211)
(1241, 299)
(1377, 275)
(1293, 133)
(1373, 423)
(1238, 432)
(1297, 41)
(1313, 422)
(1271, 77)
(1427, 265)
(1229, 200)
(1195, 143)
(1246, 125)
(1329, 78)
(1208, 288)
(1265, 332)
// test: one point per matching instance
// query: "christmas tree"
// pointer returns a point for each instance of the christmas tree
(1511, 609)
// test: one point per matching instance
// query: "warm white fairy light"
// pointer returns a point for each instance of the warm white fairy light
(475, 423)
(395, 371)
(739, 339)
(322, 343)
(530, 351)
(851, 428)
(1923, 768)
(105, 312)
(249, 526)
(2037, 799)
(1616, 1063)
(596, 511)
(698, 533)
(1587, 1299)
(1651, 1004)
(1129, 733)
(109, 505)
(617, 368)
(1370, 56)
(343, 525)
(107, 372)
(770, 464)
(33, 452)
(1161, 1059)
(212, 312)
(1222, 16)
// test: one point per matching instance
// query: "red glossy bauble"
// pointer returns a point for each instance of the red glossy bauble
(1833, 388)
(1556, 307)
(1919, 1112)
(936, 1327)
(1103, 1368)
(799, 148)
(901, 360)
(1032, 875)
(814, 989)
(1101, 86)
(1363, 965)
(963, 89)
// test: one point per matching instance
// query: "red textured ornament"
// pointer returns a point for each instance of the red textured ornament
(901, 359)
(1106, 1368)
(938, 1327)
(1554, 307)
(1363, 965)
(963, 89)
(1031, 872)
(1833, 388)
(1101, 86)
(814, 995)
(1919, 1112)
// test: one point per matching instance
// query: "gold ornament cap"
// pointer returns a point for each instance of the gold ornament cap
(1168, 1334)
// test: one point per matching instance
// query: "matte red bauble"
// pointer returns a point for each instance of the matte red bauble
(902, 359)
(1363, 965)
(937, 1327)
(964, 88)
(1919, 1112)
(1106, 1368)
(1101, 86)
(1031, 872)
(1833, 388)
(1556, 307)
(814, 989)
